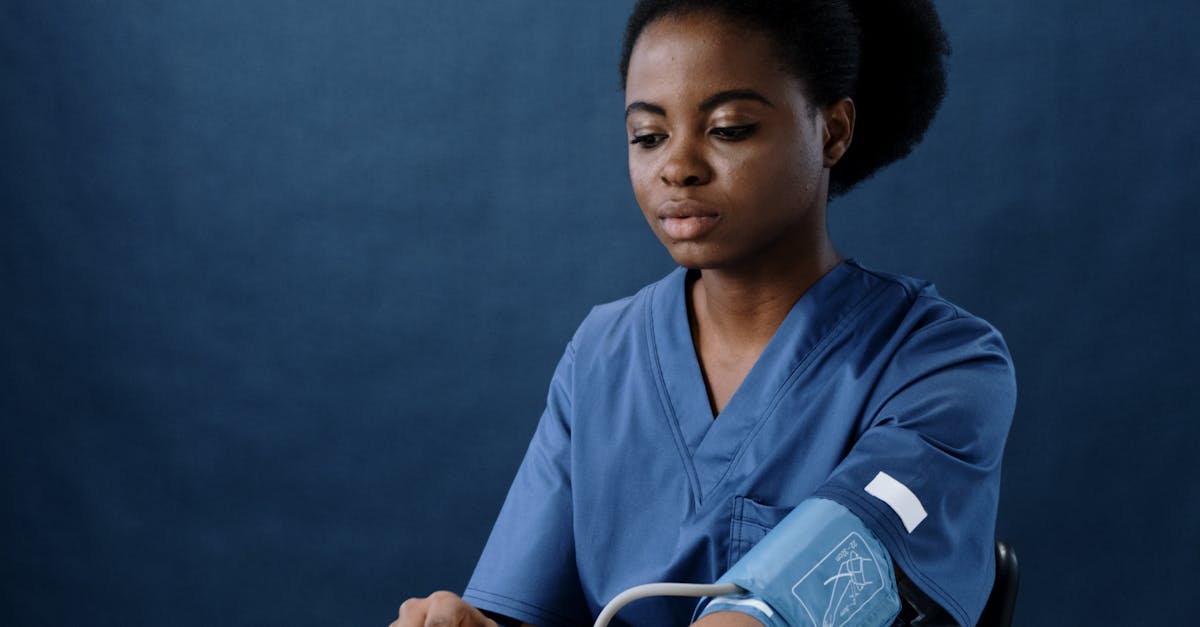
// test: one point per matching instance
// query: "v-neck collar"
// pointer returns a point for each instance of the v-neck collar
(709, 446)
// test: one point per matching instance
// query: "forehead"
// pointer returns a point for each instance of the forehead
(697, 54)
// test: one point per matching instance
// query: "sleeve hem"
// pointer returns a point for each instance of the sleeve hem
(513, 608)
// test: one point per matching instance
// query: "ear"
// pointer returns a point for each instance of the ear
(839, 130)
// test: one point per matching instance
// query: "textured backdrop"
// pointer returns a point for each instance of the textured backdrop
(282, 285)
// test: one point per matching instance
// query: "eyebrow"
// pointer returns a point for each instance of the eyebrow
(718, 99)
(710, 103)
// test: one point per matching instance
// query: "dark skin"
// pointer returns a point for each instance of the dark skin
(729, 162)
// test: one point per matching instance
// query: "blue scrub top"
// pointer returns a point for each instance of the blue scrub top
(630, 480)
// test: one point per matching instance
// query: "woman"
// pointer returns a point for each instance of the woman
(768, 374)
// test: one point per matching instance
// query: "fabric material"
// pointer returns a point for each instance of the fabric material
(821, 567)
(629, 479)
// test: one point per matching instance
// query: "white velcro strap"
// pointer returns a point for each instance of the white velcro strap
(897, 495)
(749, 602)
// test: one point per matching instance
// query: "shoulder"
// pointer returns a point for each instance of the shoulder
(625, 317)
(922, 311)
(938, 358)
(928, 343)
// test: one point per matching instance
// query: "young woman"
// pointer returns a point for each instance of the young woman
(768, 375)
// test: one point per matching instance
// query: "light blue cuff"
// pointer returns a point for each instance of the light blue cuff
(820, 566)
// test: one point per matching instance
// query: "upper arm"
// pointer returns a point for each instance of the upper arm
(938, 424)
(922, 474)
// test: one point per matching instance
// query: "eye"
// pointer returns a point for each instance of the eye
(734, 133)
(648, 140)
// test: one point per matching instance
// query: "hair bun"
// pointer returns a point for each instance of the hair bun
(901, 84)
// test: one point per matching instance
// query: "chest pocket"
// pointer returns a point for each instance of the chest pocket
(750, 523)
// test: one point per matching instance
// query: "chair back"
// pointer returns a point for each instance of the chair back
(1003, 600)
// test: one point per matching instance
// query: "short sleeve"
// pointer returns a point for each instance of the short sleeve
(527, 569)
(925, 475)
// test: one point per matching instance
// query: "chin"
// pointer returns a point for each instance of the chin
(696, 257)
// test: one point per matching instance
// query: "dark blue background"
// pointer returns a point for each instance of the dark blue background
(282, 285)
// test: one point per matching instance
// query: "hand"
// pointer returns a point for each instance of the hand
(441, 609)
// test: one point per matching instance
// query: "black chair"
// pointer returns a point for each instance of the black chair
(1003, 600)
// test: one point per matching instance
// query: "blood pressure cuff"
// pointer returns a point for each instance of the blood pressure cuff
(820, 566)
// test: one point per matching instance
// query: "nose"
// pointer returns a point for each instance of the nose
(684, 164)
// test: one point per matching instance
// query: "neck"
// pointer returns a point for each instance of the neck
(741, 308)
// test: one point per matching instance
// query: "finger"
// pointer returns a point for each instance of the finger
(447, 609)
(449, 618)
(411, 613)
(445, 616)
(444, 610)
(476, 618)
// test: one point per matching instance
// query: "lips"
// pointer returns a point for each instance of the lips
(686, 220)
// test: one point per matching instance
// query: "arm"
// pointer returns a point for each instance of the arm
(819, 566)
(527, 570)
(727, 619)
(923, 477)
